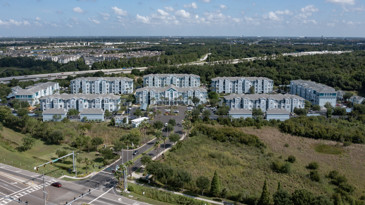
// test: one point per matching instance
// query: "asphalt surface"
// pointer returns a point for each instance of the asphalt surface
(27, 186)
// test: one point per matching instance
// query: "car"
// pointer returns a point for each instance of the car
(176, 111)
(135, 152)
(56, 184)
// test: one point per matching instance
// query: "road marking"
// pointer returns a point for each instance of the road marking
(11, 177)
(100, 196)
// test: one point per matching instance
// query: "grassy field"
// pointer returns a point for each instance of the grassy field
(243, 169)
(41, 153)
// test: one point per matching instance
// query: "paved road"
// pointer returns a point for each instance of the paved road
(52, 76)
(27, 186)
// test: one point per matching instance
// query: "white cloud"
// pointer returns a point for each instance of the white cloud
(169, 8)
(78, 10)
(222, 6)
(119, 11)
(162, 12)
(309, 9)
(94, 21)
(192, 5)
(349, 2)
(105, 16)
(206, 1)
(277, 15)
(12, 22)
(143, 19)
(37, 18)
(272, 16)
(182, 13)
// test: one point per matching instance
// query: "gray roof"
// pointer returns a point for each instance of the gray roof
(278, 111)
(55, 111)
(171, 75)
(91, 111)
(239, 78)
(240, 111)
(65, 96)
(162, 89)
(260, 96)
(30, 90)
(104, 78)
(314, 86)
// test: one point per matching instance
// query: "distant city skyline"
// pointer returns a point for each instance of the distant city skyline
(37, 18)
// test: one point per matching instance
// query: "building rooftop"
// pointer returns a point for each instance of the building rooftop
(314, 86)
(139, 119)
(55, 111)
(239, 78)
(103, 78)
(262, 96)
(277, 111)
(31, 90)
(240, 111)
(65, 96)
(162, 89)
(171, 75)
(91, 111)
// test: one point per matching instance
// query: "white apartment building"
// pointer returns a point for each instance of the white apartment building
(33, 93)
(316, 93)
(170, 95)
(242, 84)
(102, 85)
(179, 80)
(80, 102)
(264, 101)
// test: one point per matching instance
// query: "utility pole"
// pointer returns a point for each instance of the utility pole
(44, 191)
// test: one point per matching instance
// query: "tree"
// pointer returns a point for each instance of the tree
(108, 113)
(302, 197)
(206, 115)
(314, 176)
(72, 112)
(138, 112)
(300, 111)
(316, 108)
(55, 137)
(202, 183)
(281, 197)
(215, 186)
(146, 159)
(96, 141)
(312, 165)
(328, 105)
(338, 199)
(22, 112)
(252, 90)
(321, 200)
(307, 104)
(339, 111)
(265, 196)
(172, 122)
(196, 100)
(347, 96)
(174, 137)
(112, 122)
(158, 125)
(107, 153)
(61, 153)
(257, 113)
(28, 143)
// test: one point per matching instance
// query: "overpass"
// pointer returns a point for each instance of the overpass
(63, 75)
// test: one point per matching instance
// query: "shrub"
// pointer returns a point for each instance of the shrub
(314, 176)
(291, 159)
(280, 167)
(286, 145)
(312, 165)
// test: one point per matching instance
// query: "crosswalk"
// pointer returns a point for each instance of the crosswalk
(24, 192)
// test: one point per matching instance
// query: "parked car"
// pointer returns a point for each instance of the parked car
(135, 152)
(57, 184)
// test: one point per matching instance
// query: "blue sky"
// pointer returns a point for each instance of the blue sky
(182, 18)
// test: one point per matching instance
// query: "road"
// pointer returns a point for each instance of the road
(27, 186)
(52, 76)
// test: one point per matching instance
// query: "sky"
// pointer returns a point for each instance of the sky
(36, 18)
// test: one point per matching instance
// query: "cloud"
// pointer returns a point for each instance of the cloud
(169, 8)
(78, 10)
(206, 1)
(162, 12)
(349, 2)
(143, 19)
(192, 5)
(94, 21)
(182, 13)
(307, 11)
(12, 22)
(37, 18)
(105, 16)
(277, 15)
(222, 6)
(272, 16)
(119, 12)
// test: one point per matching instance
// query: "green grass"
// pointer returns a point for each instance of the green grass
(328, 149)
(41, 153)
(142, 198)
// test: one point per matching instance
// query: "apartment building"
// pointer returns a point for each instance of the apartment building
(80, 102)
(316, 93)
(264, 102)
(242, 85)
(33, 93)
(170, 95)
(178, 80)
(102, 85)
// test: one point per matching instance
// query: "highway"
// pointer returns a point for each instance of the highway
(52, 76)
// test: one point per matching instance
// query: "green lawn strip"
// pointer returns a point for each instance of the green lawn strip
(140, 155)
(328, 149)
(142, 198)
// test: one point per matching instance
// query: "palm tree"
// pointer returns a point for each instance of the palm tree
(128, 165)
(190, 99)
